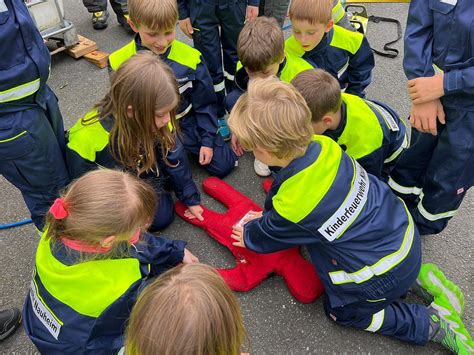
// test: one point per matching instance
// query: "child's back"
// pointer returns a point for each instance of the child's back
(91, 262)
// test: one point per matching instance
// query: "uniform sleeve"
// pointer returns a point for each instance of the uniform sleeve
(183, 9)
(459, 80)
(272, 233)
(231, 98)
(160, 253)
(253, 2)
(179, 172)
(204, 102)
(373, 163)
(417, 61)
(360, 69)
(76, 164)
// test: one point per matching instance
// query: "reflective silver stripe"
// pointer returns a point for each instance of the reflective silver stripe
(377, 321)
(450, 2)
(406, 190)
(343, 69)
(339, 13)
(400, 149)
(186, 86)
(228, 76)
(219, 87)
(383, 265)
(349, 210)
(183, 113)
(122, 349)
(20, 92)
(433, 217)
(3, 7)
(388, 118)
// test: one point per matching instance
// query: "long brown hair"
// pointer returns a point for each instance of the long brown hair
(103, 203)
(146, 84)
(187, 310)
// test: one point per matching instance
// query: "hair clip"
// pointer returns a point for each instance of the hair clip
(58, 209)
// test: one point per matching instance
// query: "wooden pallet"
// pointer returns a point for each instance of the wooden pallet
(88, 49)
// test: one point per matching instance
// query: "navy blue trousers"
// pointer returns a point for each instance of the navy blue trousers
(434, 174)
(32, 147)
(119, 6)
(217, 27)
(223, 160)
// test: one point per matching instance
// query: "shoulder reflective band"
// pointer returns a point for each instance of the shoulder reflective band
(388, 118)
(346, 214)
(377, 321)
(383, 265)
(20, 92)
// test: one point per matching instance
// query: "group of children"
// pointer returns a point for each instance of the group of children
(300, 106)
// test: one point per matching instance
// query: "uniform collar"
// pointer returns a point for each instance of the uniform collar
(140, 47)
(336, 133)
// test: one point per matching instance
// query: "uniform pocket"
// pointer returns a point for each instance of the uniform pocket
(16, 146)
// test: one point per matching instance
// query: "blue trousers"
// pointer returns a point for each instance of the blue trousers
(32, 147)
(434, 174)
(119, 6)
(223, 160)
(217, 27)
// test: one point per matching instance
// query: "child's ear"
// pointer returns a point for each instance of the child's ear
(107, 242)
(132, 25)
(283, 58)
(327, 120)
(329, 26)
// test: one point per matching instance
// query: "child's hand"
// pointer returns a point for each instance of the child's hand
(186, 27)
(423, 116)
(236, 147)
(194, 212)
(251, 13)
(251, 216)
(238, 236)
(189, 257)
(205, 155)
(425, 89)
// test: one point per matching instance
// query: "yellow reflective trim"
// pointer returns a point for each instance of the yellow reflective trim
(377, 321)
(184, 54)
(383, 265)
(338, 12)
(88, 287)
(13, 138)
(86, 140)
(20, 91)
(238, 66)
(346, 39)
(293, 66)
(363, 133)
(117, 58)
(406, 190)
(294, 202)
(433, 217)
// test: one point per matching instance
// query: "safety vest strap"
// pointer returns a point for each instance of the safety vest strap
(338, 12)
(20, 91)
(363, 133)
(346, 39)
(117, 58)
(87, 287)
(383, 265)
(294, 203)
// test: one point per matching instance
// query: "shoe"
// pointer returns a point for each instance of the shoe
(99, 20)
(10, 320)
(448, 330)
(123, 21)
(223, 129)
(432, 283)
(261, 169)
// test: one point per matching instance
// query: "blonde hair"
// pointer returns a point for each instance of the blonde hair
(103, 203)
(312, 11)
(187, 310)
(320, 90)
(260, 44)
(145, 83)
(157, 15)
(272, 115)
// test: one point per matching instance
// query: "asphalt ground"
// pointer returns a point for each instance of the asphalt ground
(276, 322)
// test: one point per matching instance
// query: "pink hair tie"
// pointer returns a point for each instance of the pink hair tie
(58, 209)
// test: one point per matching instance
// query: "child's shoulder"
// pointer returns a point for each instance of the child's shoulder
(346, 39)
(184, 54)
(293, 66)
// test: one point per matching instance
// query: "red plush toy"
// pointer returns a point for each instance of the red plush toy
(252, 268)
